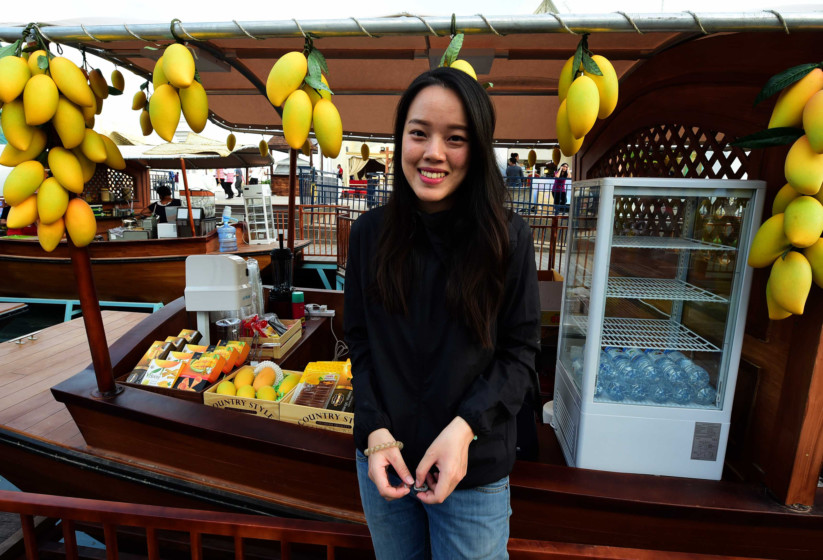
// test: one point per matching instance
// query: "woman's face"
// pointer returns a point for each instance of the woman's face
(435, 154)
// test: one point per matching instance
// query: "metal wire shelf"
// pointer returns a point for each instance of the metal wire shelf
(658, 288)
(648, 242)
(659, 334)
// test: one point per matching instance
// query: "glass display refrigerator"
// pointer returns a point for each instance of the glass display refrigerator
(652, 319)
(260, 217)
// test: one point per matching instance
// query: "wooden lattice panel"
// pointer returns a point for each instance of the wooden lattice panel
(648, 216)
(674, 150)
(120, 184)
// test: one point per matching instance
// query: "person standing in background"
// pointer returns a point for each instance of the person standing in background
(559, 188)
(238, 181)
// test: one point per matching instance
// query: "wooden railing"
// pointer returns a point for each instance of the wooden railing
(160, 525)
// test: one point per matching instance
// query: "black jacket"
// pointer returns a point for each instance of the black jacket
(413, 374)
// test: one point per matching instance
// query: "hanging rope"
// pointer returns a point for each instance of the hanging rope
(89, 35)
(183, 29)
(246, 33)
(563, 23)
(698, 22)
(299, 28)
(489, 25)
(780, 19)
(631, 21)
(363, 29)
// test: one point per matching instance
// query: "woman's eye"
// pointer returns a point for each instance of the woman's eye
(418, 133)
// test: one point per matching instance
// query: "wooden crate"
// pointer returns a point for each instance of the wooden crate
(257, 407)
(322, 418)
(276, 347)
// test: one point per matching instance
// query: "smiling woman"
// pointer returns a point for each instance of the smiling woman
(442, 320)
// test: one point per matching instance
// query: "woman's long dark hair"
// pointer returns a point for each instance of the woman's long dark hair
(479, 234)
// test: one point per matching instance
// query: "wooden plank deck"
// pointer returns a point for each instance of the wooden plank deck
(30, 368)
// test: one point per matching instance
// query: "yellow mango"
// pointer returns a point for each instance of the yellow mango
(11, 156)
(313, 93)
(775, 311)
(195, 105)
(139, 100)
(90, 122)
(93, 147)
(69, 123)
(769, 242)
(565, 80)
(782, 199)
(607, 86)
(89, 112)
(114, 158)
(814, 254)
(463, 65)
(118, 82)
(263, 147)
(289, 382)
(788, 110)
(364, 151)
(13, 122)
(297, 115)
(556, 155)
(305, 149)
(40, 98)
(14, 73)
(266, 377)
(569, 145)
(70, 81)
(804, 167)
(49, 235)
(98, 84)
(66, 169)
(164, 111)
(532, 159)
(145, 122)
(80, 223)
(328, 128)
(226, 388)
(158, 77)
(52, 201)
(231, 142)
(34, 62)
(178, 65)
(582, 106)
(790, 282)
(98, 105)
(813, 121)
(243, 377)
(285, 77)
(267, 393)
(86, 164)
(246, 391)
(803, 221)
(23, 181)
(23, 214)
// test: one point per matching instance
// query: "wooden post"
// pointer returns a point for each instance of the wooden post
(93, 320)
(292, 189)
(188, 195)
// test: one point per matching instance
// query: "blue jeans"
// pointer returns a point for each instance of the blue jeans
(471, 524)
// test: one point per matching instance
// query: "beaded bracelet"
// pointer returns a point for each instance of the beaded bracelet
(382, 446)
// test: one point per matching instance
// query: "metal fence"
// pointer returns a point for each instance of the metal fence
(328, 224)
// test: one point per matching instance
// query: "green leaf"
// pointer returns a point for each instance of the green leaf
(578, 57)
(10, 50)
(589, 65)
(314, 68)
(769, 137)
(783, 80)
(114, 91)
(43, 62)
(144, 85)
(317, 83)
(317, 55)
(488, 85)
(452, 51)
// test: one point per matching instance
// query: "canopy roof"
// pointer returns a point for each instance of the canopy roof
(198, 152)
(372, 61)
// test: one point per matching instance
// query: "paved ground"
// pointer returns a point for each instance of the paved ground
(9, 523)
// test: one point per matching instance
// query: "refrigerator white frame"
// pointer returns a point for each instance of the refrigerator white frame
(639, 438)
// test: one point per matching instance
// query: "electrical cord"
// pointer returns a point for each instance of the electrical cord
(340, 347)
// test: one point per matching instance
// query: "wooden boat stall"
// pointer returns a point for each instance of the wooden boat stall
(681, 106)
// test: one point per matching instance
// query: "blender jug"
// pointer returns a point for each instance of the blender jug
(282, 261)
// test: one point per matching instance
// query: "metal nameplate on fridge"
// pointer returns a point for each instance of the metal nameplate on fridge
(706, 441)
